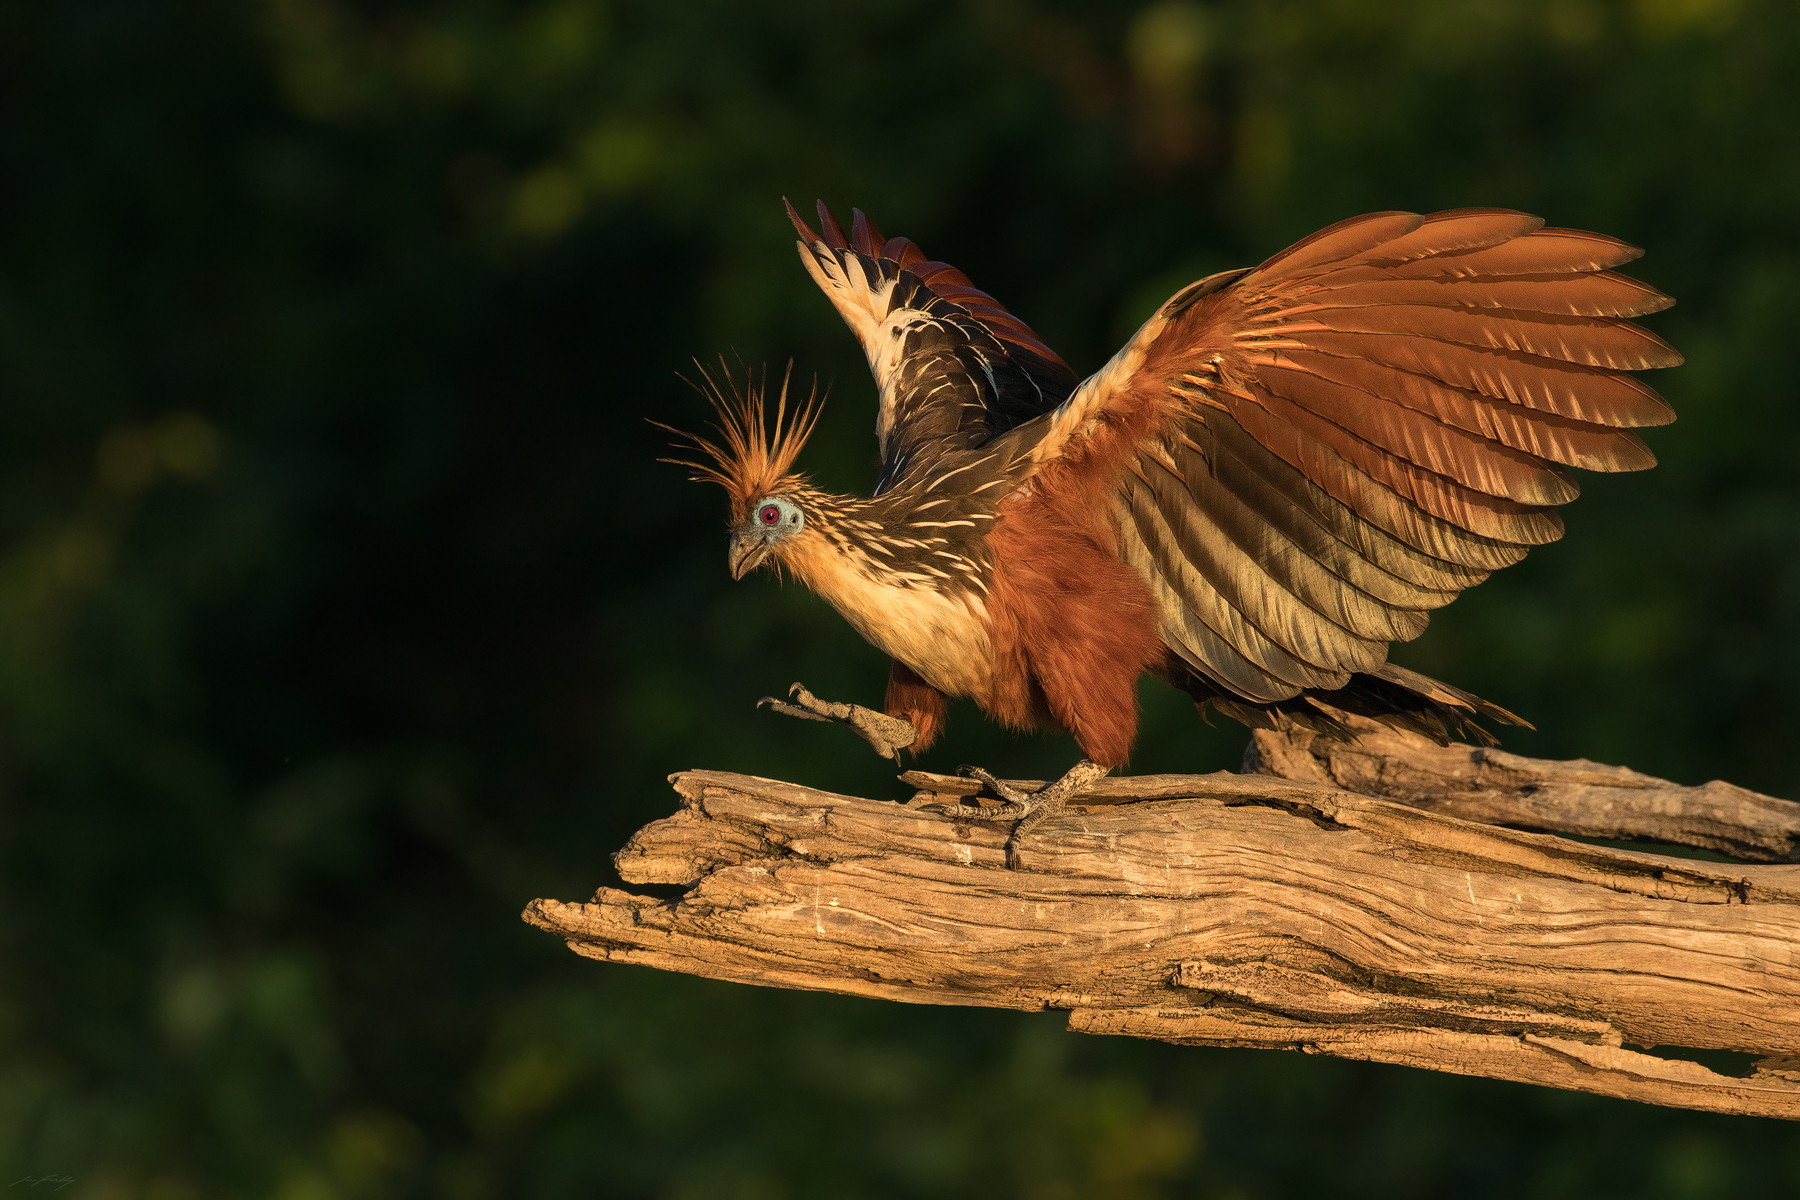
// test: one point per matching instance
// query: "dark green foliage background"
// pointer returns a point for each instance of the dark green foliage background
(344, 608)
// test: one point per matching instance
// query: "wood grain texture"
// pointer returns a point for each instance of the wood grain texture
(1244, 910)
(1585, 798)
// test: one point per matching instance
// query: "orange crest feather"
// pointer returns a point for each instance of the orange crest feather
(755, 457)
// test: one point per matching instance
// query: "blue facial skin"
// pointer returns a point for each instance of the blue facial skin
(771, 520)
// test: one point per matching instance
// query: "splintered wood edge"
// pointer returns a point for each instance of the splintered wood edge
(1542, 1048)
(1525, 1058)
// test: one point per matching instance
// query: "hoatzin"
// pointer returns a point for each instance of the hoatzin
(1285, 469)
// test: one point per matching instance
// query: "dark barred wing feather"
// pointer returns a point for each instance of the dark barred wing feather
(954, 368)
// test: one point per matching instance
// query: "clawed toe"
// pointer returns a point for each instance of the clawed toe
(887, 735)
(1017, 803)
(1025, 810)
(805, 705)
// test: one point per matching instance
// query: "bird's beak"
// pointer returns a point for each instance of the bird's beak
(748, 549)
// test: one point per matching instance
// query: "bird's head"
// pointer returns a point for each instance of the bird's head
(773, 521)
(752, 462)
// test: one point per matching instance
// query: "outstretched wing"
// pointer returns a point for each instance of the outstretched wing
(953, 366)
(1333, 444)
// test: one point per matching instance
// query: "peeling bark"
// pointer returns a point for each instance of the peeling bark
(1257, 910)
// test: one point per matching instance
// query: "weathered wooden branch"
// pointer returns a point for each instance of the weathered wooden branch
(1493, 787)
(1358, 899)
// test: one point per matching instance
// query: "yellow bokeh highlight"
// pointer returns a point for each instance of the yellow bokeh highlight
(547, 201)
(1668, 19)
(617, 157)
(1166, 44)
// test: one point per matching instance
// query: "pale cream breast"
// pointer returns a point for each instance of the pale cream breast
(940, 634)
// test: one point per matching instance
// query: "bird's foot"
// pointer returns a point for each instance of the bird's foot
(888, 735)
(1027, 810)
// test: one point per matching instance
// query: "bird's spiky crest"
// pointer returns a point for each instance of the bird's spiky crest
(755, 457)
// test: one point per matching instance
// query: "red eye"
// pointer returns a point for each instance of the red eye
(770, 515)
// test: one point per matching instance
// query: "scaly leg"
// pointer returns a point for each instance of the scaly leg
(888, 735)
(1027, 809)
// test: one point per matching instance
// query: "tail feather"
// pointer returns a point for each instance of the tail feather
(1394, 696)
